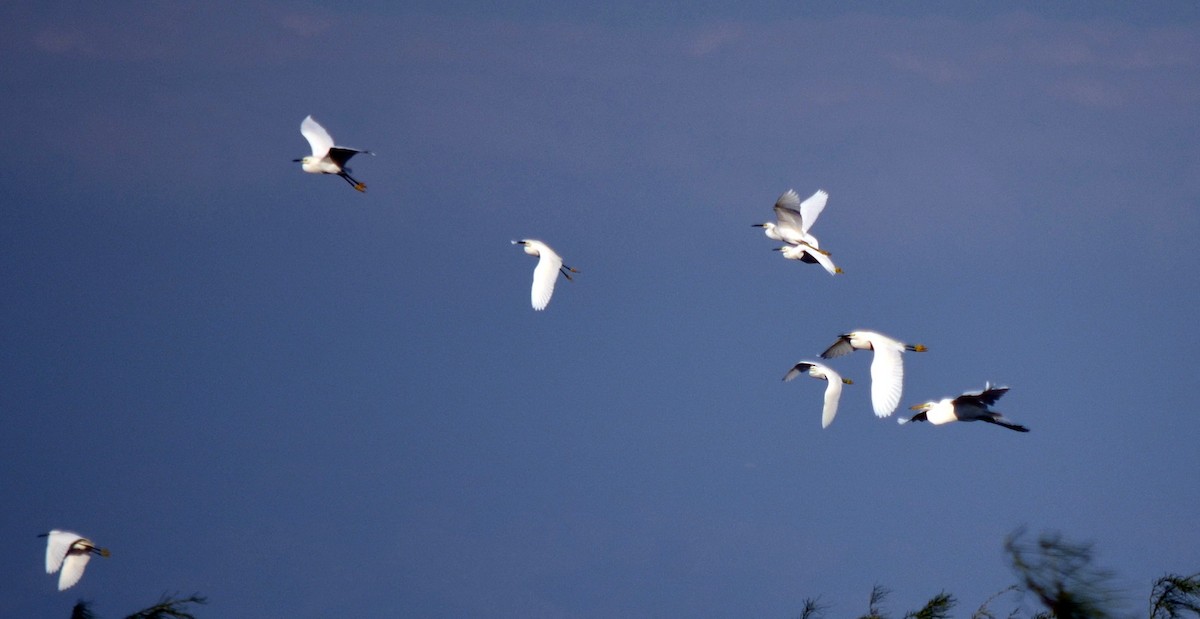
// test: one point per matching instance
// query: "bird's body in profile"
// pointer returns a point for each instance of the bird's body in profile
(833, 391)
(970, 406)
(326, 158)
(545, 274)
(69, 552)
(807, 253)
(887, 365)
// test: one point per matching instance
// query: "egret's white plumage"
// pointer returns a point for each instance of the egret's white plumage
(887, 366)
(545, 274)
(69, 552)
(794, 219)
(327, 158)
(807, 253)
(970, 406)
(833, 391)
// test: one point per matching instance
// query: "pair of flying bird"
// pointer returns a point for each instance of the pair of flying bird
(793, 220)
(887, 383)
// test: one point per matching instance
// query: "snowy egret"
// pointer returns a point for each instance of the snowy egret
(793, 218)
(807, 253)
(71, 552)
(887, 367)
(545, 274)
(832, 392)
(327, 158)
(970, 406)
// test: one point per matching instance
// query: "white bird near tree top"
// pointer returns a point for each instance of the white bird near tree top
(887, 366)
(970, 406)
(833, 391)
(545, 274)
(70, 552)
(327, 158)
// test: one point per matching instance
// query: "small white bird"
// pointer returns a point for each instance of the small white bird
(545, 274)
(832, 392)
(807, 253)
(970, 406)
(327, 158)
(887, 367)
(793, 218)
(71, 552)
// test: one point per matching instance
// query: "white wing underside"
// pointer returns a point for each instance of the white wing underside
(887, 379)
(832, 394)
(72, 568)
(811, 208)
(58, 544)
(824, 261)
(318, 138)
(544, 277)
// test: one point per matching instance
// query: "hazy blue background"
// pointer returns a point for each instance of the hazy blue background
(300, 401)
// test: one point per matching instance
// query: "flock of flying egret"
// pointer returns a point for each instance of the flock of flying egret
(68, 553)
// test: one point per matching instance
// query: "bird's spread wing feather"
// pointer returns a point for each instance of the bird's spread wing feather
(832, 394)
(887, 380)
(811, 209)
(318, 138)
(838, 349)
(982, 399)
(72, 569)
(797, 370)
(58, 544)
(341, 155)
(789, 200)
(544, 277)
(823, 260)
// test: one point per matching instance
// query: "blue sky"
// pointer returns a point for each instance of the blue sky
(259, 385)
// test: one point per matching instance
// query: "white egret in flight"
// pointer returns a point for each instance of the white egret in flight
(793, 218)
(970, 406)
(887, 366)
(70, 552)
(833, 391)
(327, 158)
(545, 274)
(807, 253)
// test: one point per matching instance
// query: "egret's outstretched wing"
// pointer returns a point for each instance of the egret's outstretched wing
(887, 379)
(340, 154)
(72, 569)
(982, 399)
(811, 209)
(545, 274)
(58, 544)
(833, 393)
(789, 223)
(798, 369)
(318, 138)
(823, 260)
(839, 348)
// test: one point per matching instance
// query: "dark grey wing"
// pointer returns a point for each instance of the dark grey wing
(981, 399)
(797, 370)
(340, 155)
(839, 348)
